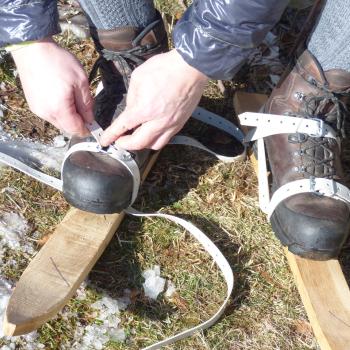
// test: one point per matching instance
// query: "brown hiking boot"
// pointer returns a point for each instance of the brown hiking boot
(311, 225)
(121, 51)
(93, 181)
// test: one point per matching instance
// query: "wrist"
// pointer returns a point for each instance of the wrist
(21, 49)
(192, 71)
(28, 44)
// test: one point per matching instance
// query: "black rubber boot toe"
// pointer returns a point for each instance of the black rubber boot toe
(96, 183)
(310, 237)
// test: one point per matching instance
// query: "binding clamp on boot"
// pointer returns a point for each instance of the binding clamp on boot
(302, 129)
(97, 182)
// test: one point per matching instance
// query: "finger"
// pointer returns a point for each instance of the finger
(162, 141)
(126, 121)
(84, 102)
(146, 136)
(72, 122)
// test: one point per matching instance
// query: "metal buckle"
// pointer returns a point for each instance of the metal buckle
(329, 191)
(334, 189)
(321, 128)
(313, 184)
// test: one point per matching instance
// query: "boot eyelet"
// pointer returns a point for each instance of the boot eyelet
(299, 96)
(297, 138)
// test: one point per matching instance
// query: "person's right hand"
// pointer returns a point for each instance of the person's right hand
(55, 85)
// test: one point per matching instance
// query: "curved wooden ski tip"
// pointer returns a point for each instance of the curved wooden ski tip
(321, 284)
(326, 297)
(57, 271)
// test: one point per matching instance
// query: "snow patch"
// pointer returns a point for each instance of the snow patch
(49, 156)
(27, 341)
(3, 135)
(154, 284)
(59, 141)
(96, 335)
(170, 290)
(13, 228)
(5, 292)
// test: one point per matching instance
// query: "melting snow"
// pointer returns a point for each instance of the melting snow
(5, 292)
(154, 284)
(170, 290)
(59, 141)
(50, 156)
(13, 229)
(28, 341)
(107, 328)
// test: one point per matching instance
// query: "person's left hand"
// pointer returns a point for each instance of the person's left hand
(162, 95)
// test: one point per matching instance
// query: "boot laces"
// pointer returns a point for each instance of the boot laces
(317, 153)
(128, 59)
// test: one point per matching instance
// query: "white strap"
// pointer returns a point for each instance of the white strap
(217, 256)
(123, 156)
(272, 124)
(319, 186)
(126, 158)
(26, 169)
(189, 141)
(96, 131)
(264, 190)
(218, 122)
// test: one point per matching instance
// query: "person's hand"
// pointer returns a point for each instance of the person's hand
(55, 85)
(163, 93)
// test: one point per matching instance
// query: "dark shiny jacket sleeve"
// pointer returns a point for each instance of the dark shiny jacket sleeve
(216, 36)
(23, 20)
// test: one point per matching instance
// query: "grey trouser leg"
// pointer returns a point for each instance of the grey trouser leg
(330, 40)
(110, 14)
